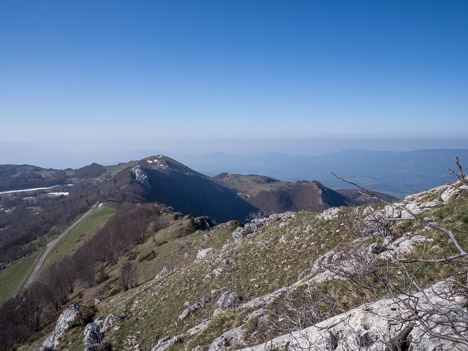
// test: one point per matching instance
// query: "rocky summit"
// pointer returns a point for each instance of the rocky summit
(374, 277)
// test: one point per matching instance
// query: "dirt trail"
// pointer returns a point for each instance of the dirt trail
(50, 246)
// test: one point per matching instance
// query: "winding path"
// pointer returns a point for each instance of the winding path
(50, 246)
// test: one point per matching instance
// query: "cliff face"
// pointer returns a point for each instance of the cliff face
(346, 279)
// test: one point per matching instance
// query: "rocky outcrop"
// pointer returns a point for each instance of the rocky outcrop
(329, 214)
(66, 318)
(108, 322)
(203, 253)
(92, 334)
(197, 305)
(228, 340)
(254, 225)
(140, 176)
(424, 201)
(163, 273)
(452, 192)
(165, 343)
(228, 300)
(439, 322)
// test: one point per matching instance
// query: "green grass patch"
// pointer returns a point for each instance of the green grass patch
(79, 235)
(13, 277)
(114, 169)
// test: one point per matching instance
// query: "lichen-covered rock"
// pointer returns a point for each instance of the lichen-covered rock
(104, 346)
(165, 343)
(452, 192)
(329, 214)
(230, 339)
(92, 334)
(374, 326)
(108, 322)
(203, 253)
(163, 272)
(66, 318)
(229, 300)
(197, 305)
(255, 224)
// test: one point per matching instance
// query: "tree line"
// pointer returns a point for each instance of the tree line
(41, 303)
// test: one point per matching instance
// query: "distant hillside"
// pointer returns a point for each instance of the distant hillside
(14, 177)
(273, 196)
(395, 173)
(90, 171)
(169, 182)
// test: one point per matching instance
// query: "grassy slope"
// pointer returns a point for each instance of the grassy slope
(13, 277)
(250, 183)
(273, 258)
(79, 235)
(114, 169)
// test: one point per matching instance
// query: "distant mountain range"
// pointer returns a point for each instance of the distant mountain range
(223, 197)
(395, 173)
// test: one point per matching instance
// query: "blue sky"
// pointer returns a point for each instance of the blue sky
(236, 76)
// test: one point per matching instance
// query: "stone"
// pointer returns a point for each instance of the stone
(377, 248)
(329, 214)
(163, 272)
(140, 176)
(452, 192)
(231, 339)
(66, 318)
(165, 343)
(384, 323)
(105, 346)
(203, 253)
(92, 334)
(198, 328)
(108, 322)
(228, 300)
(197, 305)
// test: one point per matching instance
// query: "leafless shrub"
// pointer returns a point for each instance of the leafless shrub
(128, 275)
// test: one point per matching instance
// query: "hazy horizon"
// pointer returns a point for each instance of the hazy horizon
(105, 81)
(48, 157)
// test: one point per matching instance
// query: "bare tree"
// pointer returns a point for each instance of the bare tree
(127, 275)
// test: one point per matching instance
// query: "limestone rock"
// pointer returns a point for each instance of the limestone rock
(108, 322)
(163, 272)
(140, 176)
(374, 326)
(329, 214)
(203, 253)
(229, 300)
(92, 334)
(63, 322)
(230, 339)
(255, 224)
(197, 305)
(452, 192)
(165, 343)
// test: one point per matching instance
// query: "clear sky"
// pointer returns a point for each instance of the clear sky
(233, 75)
